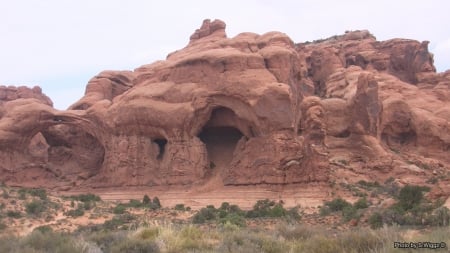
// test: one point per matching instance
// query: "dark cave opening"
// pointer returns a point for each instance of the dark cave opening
(398, 139)
(220, 144)
(162, 147)
(344, 134)
(67, 148)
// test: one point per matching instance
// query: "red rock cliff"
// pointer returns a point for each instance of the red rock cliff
(253, 109)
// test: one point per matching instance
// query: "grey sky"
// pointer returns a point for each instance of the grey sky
(60, 44)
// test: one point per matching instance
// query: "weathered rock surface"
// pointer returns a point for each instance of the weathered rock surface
(249, 110)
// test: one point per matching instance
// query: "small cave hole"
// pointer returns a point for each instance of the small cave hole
(162, 147)
(220, 144)
(343, 134)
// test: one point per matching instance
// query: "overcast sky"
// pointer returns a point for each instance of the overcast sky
(61, 44)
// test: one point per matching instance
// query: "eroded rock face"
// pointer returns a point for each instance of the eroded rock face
(253, 109)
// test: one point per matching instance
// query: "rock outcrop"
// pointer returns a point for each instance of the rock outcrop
(253, 109)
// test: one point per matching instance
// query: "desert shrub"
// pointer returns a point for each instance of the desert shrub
(393, 216)
(375, 220)
(35, 207)
(44, 229)
(322, 244)
(134, 203)
(361, 203)
(106, 239)
(49, 242)
(361, 240)
(296, 232)
(390, 187)
(119, 209)
(233, 219)
(269, 208)
(441, 216)
(410, 196)
(14, 214)
(41, 193)
(179, 207)
(251, 242)
(191, 238)
(261, 208)
(149, 233)
(156, 202)
(86, 197)
(2, 225)
(146, 200)
(118, 222)
(368, 185)
(75, 212)
(204, 215)
(349, 213)
(133, 245)
(337, 204)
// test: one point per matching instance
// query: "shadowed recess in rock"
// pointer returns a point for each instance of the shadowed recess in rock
(70, 146)
(220, 144)
(162, 147)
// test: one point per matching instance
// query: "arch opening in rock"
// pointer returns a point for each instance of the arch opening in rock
(67, 150)
(221, 134)
(162, 147)
(343, 134)
(398, 139)
(220, 144)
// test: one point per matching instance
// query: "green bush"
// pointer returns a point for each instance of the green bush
(269, 208)
(119, 209)
(41, 193)
(179, 207)
(337, 204)
(361, 203)
(75, 212)
(368, 185)
(349, 213)
(14, 214)
(35, 207)
(204, 215)
(146, 200)
(233, 219)
(136, 203)
(119, 222)
(376, 220)
(86, 197)
(410, 196)
(156, 202)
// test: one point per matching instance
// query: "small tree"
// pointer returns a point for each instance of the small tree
(146, 200)
(410, 196)
(156, 202)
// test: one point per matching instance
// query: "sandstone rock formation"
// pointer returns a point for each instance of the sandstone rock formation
(248, 110)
